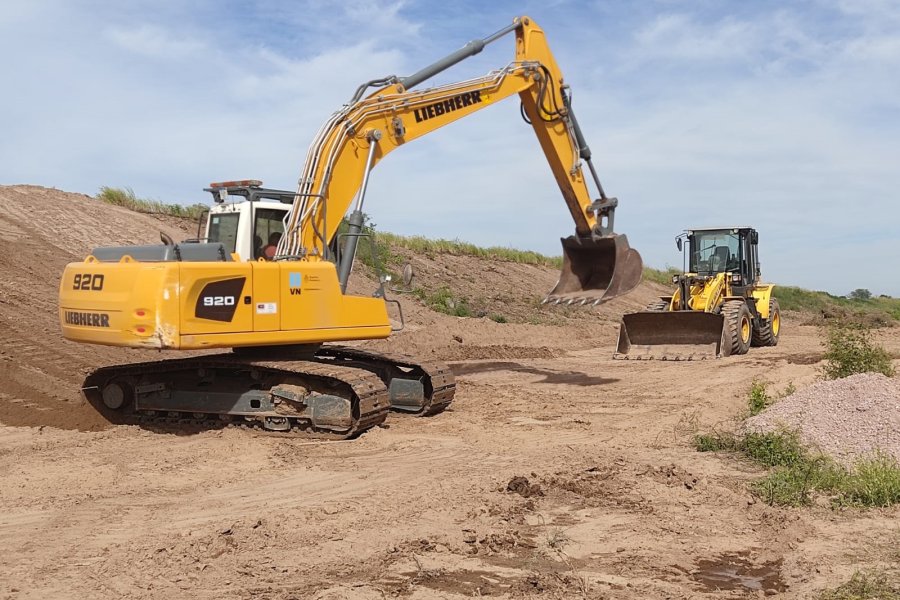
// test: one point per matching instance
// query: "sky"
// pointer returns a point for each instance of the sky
(780, 115)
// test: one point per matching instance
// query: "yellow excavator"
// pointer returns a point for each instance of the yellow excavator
(719, 307)
(269, 279)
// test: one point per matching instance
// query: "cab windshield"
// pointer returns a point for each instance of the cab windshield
(714, 252)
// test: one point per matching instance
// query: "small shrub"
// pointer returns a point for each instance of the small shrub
(866, 585)
(770, 449)
(499, 319)
(850, 349)
(717, 442)
(444, 301)
(759, 398)
(785, 487)
(774, 449)
(789, 390)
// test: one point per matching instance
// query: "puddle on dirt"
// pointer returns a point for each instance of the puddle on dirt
(550, 376)
(737, 572)
(465, 583)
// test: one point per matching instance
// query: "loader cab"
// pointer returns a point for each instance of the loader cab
(731, 250)
(247, 218)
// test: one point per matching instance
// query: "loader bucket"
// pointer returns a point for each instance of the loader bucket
(675, 335)
(595, 271)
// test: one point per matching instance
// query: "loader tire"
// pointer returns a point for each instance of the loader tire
(737, 328)
(658, 306)
(767, 335)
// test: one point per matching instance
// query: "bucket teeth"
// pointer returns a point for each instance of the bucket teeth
(596, 270)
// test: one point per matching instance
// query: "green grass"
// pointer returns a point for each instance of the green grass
(662, 277)
(866, 585)
(880, 310)
(128, 199)
(457, 247)
(872, 482)
(796, 474)
(444, 301)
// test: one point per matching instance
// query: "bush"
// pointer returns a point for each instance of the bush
(444, 301)
(873, 482)
(850, 349)
(759, 398)
(781, 448)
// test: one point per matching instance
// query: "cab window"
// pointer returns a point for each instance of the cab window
(268, 227)
(223, 229)
(714, 252)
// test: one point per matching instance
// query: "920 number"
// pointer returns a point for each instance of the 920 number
(88, 281)
(218, 301)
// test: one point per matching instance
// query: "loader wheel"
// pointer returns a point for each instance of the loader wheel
(738, 327)
(767, 335)
(658, 306)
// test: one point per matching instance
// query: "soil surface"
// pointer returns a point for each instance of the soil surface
(557, 473)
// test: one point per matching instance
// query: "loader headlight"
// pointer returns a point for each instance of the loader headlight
(736, 278)
(675, 278)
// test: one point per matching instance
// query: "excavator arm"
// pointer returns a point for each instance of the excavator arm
(598, 264)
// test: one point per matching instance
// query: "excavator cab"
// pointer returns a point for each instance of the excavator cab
(247, 217)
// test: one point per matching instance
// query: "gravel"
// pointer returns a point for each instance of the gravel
(847, 418)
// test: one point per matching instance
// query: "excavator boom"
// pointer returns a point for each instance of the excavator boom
(599, 264)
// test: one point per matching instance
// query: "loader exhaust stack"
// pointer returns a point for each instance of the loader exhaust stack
(595, 271)
(675, 335)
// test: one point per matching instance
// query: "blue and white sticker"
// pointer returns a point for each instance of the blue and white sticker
(295, 280)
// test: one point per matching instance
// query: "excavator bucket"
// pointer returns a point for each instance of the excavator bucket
(595, 271)
(670, 335)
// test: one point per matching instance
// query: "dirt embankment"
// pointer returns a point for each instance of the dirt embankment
(557, 473)
(41, 230)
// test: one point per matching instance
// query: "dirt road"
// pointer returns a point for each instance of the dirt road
(558, 472)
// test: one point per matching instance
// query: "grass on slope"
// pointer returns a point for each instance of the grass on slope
(128, 199)
(881, 310)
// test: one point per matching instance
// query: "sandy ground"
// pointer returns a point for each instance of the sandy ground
(607, 498)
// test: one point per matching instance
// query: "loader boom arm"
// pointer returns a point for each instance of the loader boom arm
(364, 131)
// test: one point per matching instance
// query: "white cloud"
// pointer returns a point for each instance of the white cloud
(782, 116)
(151, 41)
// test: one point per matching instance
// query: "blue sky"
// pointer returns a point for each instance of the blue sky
(780, 115)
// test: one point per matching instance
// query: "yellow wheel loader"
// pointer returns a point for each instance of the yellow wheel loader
(269, 279)
(719, 306)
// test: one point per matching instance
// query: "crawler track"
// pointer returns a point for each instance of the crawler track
(439, 384)
(367, 394)
(233, 389)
